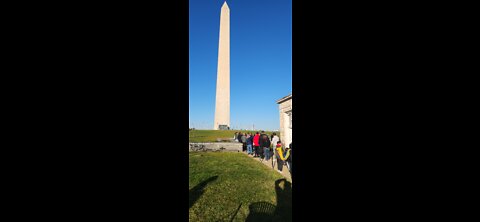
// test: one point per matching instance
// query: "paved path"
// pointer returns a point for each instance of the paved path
(284, 173)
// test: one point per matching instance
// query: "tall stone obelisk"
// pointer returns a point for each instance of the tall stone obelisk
(222, 100)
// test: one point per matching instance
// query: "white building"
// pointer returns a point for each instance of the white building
(285, 108)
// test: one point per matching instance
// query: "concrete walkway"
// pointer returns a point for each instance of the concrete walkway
(285, 173)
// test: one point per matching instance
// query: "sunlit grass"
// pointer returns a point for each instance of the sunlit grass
(199, 136)
(221, 182)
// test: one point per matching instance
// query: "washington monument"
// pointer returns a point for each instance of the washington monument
(222, 100)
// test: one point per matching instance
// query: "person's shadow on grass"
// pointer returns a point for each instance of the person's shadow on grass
(198, 190)
(264, 211)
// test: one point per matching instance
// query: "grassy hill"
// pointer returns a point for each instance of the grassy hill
(203, 136)
(226, 186)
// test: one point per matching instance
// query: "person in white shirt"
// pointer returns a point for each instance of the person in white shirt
(275, 139)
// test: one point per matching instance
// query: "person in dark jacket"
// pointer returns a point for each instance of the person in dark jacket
(249, 144)
(264, 146)
(289, 159)
(244, 142)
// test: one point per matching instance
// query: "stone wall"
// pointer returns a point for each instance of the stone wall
(285, 111)
(232, 147)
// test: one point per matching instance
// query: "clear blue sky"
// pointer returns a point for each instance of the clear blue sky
(260, 61)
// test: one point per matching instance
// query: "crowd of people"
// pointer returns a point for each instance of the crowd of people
(266, 147)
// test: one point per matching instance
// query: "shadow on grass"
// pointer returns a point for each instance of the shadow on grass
(198, 190)
(264, 211)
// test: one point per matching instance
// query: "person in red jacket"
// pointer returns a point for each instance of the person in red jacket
(256, 145)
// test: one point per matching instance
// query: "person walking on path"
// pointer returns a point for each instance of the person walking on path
(274, 140)
(235, 137)
(289, 158)
(256, 145)
(264, 146)
(244, 142)
(249, 144)
(279, 156)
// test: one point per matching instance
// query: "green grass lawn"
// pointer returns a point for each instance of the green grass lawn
(227, 185)
(202, 136)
